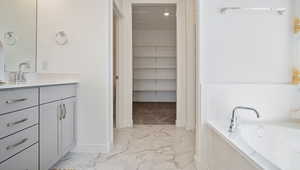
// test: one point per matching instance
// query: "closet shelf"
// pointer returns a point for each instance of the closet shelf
(154, 45)
(154, 68)
(163, 57)
(160, 80)
(154, 90)
(163, 78)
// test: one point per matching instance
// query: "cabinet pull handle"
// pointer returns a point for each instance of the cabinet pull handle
(15, 101)
(65, 111)
(16, 123)
(60, 115)
(16, 144)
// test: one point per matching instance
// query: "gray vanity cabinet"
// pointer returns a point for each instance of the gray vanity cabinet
(19, 129)
(57, 122)
(57, 136)
(37, 126)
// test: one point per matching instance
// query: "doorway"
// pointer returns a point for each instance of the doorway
(154, 63)
(116, 52)
(184, 93)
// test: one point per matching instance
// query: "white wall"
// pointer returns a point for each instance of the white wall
(273, 102)
(88, 26)
(245, 47)
(297, 7)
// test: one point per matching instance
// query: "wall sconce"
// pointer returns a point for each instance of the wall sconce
(297, 25)
(61, 38)
(296, 76)
(10, 38)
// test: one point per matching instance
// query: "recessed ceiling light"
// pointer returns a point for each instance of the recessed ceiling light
(166, 14)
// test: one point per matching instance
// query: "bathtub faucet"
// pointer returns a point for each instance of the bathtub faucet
(234, 121)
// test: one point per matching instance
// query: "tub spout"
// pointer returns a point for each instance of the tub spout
(234, 121)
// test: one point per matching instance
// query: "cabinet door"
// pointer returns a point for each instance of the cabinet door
(49, 119)
(67, 125)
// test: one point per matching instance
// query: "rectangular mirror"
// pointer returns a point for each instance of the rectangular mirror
(18, 34)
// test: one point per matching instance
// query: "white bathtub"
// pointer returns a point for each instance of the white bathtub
(265, 146)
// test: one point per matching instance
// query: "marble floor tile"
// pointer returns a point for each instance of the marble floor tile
(144, 147)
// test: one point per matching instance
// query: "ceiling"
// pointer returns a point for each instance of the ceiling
(151, 17)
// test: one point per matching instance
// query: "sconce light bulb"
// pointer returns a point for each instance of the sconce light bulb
(166, 14)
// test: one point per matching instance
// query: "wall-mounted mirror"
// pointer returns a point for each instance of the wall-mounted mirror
(18, 33)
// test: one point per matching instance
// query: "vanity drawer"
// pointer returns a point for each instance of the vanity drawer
(26, 160)
(16, 99)
(13, 144)
(14, 122)
(54, 93)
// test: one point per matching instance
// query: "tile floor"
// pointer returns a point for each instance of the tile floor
(159, 113)
(144, 147)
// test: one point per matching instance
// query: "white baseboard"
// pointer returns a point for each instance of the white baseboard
(179, 124)
(197, 162)
(125, 124)
(189, 128)
(200, 165)
(110, 146)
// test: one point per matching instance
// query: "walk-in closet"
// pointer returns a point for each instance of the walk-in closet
(154, 64)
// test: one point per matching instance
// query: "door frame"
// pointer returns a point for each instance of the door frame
(116, 45)
(186, 68)
(186, 63)
(114, 8)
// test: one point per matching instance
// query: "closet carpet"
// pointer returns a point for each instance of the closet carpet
(154, 113)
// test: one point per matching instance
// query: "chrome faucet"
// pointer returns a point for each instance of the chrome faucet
(234, 121)
(20, 76)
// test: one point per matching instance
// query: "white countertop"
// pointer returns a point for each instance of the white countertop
(36, 84)
(39, 80)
